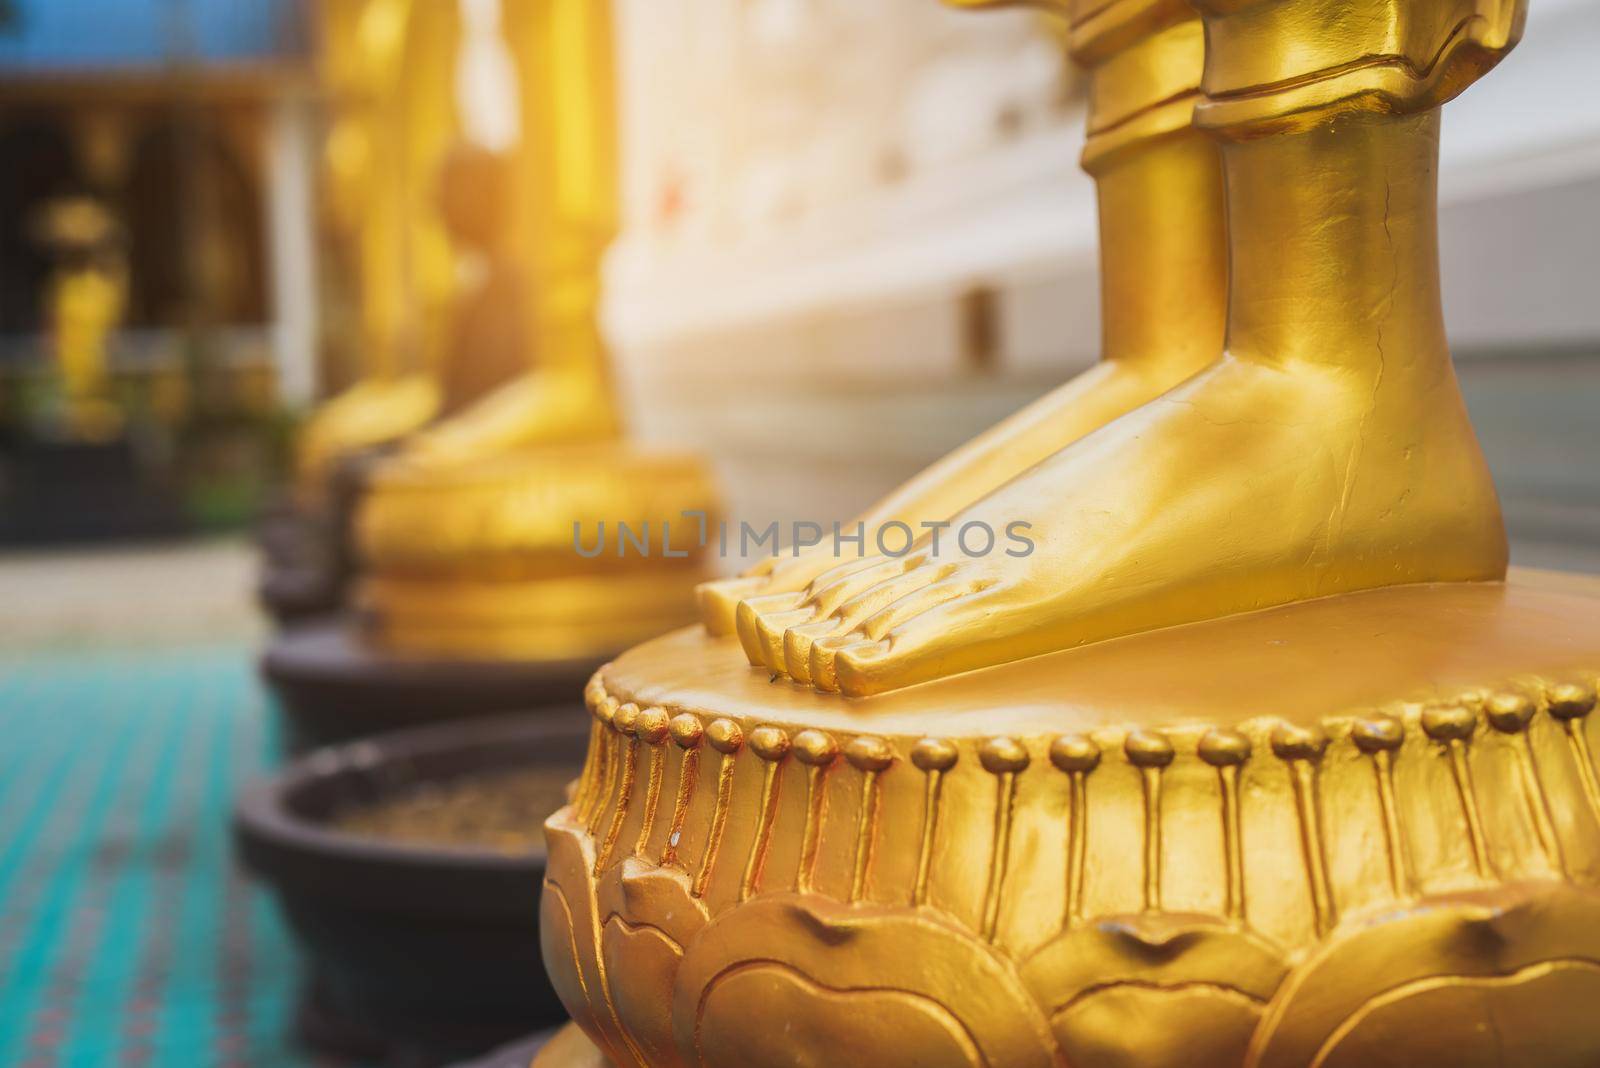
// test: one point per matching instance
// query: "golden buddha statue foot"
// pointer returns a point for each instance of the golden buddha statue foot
(1283, 838)
(1163, 265)
(537, 408)
(1127, 533)
(1329, 451)
(372, 412)
(1066, 414)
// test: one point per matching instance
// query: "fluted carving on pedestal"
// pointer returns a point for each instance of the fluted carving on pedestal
(809, 870)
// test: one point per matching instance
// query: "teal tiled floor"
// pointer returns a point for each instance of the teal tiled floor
(127, 935)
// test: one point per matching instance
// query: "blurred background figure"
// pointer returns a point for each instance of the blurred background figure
(86, 296)
(476, 195)
(421, 145)
(156, 267)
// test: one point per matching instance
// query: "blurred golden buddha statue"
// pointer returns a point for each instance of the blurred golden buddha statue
(1257, 759)
(386, 68)
(470, 536)
(86, 298)
(567, 107)
(390, 62)
(487, 335)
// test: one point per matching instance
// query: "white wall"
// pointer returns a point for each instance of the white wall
(814, 186)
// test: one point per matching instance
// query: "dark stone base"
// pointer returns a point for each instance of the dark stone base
(332, 687)
(308, 555)
(417, 955)
(302, 570)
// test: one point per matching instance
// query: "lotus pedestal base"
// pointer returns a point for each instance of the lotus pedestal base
(1357, 831)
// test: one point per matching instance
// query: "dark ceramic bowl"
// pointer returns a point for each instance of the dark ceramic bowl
(417, 954)
(332, 686)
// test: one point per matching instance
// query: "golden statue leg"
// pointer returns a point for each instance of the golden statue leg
(1163, 265)
(1328, 451)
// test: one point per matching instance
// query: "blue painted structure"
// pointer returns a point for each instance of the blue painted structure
(65, 36)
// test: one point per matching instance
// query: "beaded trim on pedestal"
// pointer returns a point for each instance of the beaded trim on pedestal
(631, 746)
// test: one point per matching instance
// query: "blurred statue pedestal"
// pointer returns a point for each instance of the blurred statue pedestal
(473, 595)
(307, 541)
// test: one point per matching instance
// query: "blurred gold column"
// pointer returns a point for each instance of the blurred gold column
(570, 101)
(387, 66)
(430, 129)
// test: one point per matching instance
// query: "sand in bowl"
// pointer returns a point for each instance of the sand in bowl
(503, 811)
